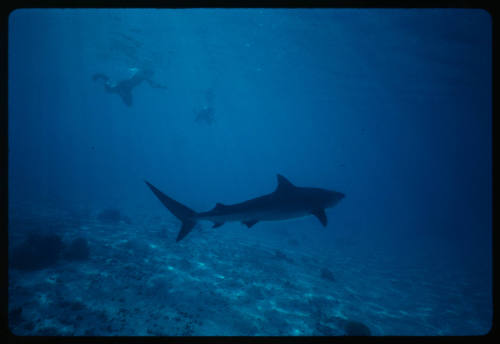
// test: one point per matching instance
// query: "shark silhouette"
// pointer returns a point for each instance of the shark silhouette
(286, 202)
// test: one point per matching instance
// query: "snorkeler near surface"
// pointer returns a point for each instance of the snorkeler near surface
(124, 87)
(206, 114)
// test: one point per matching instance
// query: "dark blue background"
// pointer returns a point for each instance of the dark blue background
(390, 107)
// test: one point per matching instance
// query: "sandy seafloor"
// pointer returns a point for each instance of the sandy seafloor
(139, 282)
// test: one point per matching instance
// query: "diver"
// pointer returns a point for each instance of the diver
(206, 114)
(124, 87)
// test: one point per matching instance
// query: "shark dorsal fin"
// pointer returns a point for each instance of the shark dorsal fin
(219, 206)
(283, 183)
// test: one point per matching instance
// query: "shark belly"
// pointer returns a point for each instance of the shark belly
(254, 216)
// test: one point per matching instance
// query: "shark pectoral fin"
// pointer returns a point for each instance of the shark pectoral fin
(217, 224)
(321, 215)
(250, 223)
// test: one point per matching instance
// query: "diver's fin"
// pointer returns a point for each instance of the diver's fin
(126, 97)
(99, 76)
(155, 84)
(321, 215)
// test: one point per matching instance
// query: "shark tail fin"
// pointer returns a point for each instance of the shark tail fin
(183, 213)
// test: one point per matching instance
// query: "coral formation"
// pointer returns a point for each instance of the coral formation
(78, 249)
(356, 328)
(38, 251)
(110, 215)
(327, 275)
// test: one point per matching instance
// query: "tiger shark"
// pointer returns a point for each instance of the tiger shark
(287, 201)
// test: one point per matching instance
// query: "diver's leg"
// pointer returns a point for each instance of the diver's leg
(126, 95)
(108, 85)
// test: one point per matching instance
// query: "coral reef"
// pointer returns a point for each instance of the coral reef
(110, 216)
(38, 251)
(327, 275)
(356, 328)
(78, 249)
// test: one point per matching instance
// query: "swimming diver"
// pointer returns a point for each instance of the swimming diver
(206, 114)
(124, 87)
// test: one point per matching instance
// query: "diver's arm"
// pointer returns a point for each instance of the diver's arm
(100, 76)
(108, 85)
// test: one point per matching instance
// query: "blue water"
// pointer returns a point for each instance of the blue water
(390, 107)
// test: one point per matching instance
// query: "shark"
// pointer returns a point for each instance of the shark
(287, 201)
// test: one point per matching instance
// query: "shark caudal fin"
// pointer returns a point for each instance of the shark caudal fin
(183, 213)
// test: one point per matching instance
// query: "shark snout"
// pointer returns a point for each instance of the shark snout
(336, 197)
